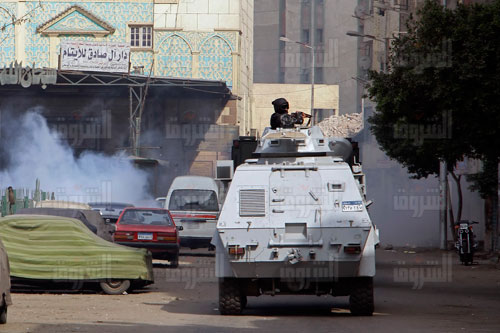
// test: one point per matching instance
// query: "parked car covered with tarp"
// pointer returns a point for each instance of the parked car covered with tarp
(62, 249)
(90, 218)
(5, 299)
(65, 212)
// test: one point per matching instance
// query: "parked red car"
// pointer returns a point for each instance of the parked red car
(150, 228)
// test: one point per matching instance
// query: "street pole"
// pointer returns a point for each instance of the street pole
(313, 56)
(443, 203)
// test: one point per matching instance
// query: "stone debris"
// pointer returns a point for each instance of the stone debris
(344, 126)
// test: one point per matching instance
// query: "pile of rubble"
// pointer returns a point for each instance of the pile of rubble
(344, 126)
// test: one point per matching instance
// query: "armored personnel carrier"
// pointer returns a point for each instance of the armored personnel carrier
(295, 222)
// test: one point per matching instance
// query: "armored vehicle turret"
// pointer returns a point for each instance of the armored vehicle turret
(295, 221)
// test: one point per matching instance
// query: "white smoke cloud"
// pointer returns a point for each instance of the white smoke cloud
(34, 151)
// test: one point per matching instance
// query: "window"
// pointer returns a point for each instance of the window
(146, 217)
(321, 114)
(141, 36)
(319, 36)
(305, 36)
(304, 76)
(194, 200)
(318, 75)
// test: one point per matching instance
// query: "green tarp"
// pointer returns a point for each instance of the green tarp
(60, 248)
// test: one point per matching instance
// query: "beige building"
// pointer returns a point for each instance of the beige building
(326, 99)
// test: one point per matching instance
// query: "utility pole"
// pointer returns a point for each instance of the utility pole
(443, 204)
(136, 119)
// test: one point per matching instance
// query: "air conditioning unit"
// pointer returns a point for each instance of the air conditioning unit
(224, 170)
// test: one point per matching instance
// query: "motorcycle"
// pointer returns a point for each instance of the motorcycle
(466, 244)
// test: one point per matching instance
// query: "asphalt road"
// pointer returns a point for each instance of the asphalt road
(414, 292)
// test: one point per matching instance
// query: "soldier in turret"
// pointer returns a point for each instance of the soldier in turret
(281, 119)
(280, 108)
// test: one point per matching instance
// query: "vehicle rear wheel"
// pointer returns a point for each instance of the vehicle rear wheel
(361, 302)
(115, 287)
(231, 299)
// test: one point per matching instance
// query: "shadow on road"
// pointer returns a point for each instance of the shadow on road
(307, 306)
(66, 288)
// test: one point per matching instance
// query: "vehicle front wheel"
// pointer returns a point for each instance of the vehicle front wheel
(244, 301)
(174, 260)
(231, 299)
(115, 287)
(469, 259)
(361, 302)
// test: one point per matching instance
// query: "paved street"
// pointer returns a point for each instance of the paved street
(414, 292)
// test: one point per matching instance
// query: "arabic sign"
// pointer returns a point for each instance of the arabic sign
(26, 76)
(95, 56)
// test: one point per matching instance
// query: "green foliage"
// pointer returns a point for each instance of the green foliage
(485, 182)
(440, 98)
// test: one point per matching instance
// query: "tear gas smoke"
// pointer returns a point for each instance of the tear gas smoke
(34, 151)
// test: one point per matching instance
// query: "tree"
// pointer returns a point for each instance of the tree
(440, 99)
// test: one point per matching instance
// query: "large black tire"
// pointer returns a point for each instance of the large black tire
(244, 301)
(115, 287)
(231, 299)
(462, 259)
(361, 302)
(469, 259)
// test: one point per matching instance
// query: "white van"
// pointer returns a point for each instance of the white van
(193, 202)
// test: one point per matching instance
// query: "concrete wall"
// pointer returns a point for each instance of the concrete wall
(298, 96)
(406, 210)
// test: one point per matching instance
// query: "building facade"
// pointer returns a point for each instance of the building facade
(288, 62)
(199, 39)
(189, 120)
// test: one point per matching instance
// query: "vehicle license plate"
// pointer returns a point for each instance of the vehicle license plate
(145, 236)
(352, 206)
